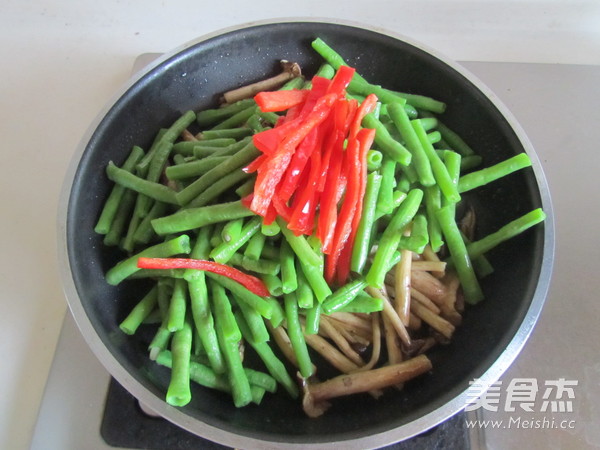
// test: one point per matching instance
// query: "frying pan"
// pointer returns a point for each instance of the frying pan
(192, 77)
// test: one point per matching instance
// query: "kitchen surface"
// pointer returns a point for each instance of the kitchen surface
(63, 61)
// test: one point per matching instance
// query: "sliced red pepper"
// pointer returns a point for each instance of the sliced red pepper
(328, 206)
(335, 135)
(301, 156)
(268, 140)
(341, 79)
(365, 138)
(271, 172)
(343, 225)
(274, 101)
(367, 106)
(304, 207)
(254, 165)
(250, 282)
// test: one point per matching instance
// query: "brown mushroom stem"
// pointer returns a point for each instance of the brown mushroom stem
(433, 320)
(366, 381)
(402, 286)
(389, 311)
(340, 340)
(290, 70)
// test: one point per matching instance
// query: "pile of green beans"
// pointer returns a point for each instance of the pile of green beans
(416, 173)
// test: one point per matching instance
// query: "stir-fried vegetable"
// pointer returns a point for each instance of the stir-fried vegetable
(302, 217)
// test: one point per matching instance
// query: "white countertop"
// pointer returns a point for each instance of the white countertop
(63, 59)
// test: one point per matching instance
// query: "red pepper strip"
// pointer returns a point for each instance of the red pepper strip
(301, 156)
(281, 208)
(352, 109)
(365, 138)
(254, 165)
(336, 134)
(367, 106)
(247, 200)
(328, 206)
(274, 101)
(318, 90)
(341, 79)
(303, 205)
(271, 172)
(343, 226)
(250, 282)
(267, 141)
(270, 216)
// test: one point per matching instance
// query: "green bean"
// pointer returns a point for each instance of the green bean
(270, 230)
(178, 306)
(254, 247)
(261, 304)
(385, 96)
(144, 232)
(153, 190)
(313, 315)
(255, 322)
(144, 164)
(247, 188)
(223, 312)
(294, 83)
(301, 247)
(214, 152)
(429, 123)
(157, 273)
(216, 238)
(111, 205)
(422, 102)
(481, 264)
(238, 380)
(217, 188)
(160, 340)
(419, 236)
(331, 56)
(261, 379)
(237, 119)
(296, 337)
(452, 161)
(204, 321)
(241, 158)
(273, 284)
(194, 168)
(343, 296)
(363, 303)
(255, 123)
(178, 393)
(232, 230)
(391, 237)
(434, 137)
(289, 281)
(140, 312)
(411, 111)
(257, 394)
(199, 373)
(127, 243)
(470, 162)
(262, 266)
(224, 251)
(455, 142)
(164, 288)
(508, 231)
(419, 160)
(388, 145)
(128, 266)
(274, 366)
(121, 217)
(484, 176)
(398, 197)
(439, 169)
(314, 276)
(304, 293)
(385, 203)
(460, 257)
(211, 116)
(187, 148)
(269, 117)
(433, 202)
(234, 133)
(191, 218)
(374, 160)
(362, 242)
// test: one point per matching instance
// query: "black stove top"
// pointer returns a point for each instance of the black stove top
(125, 425)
